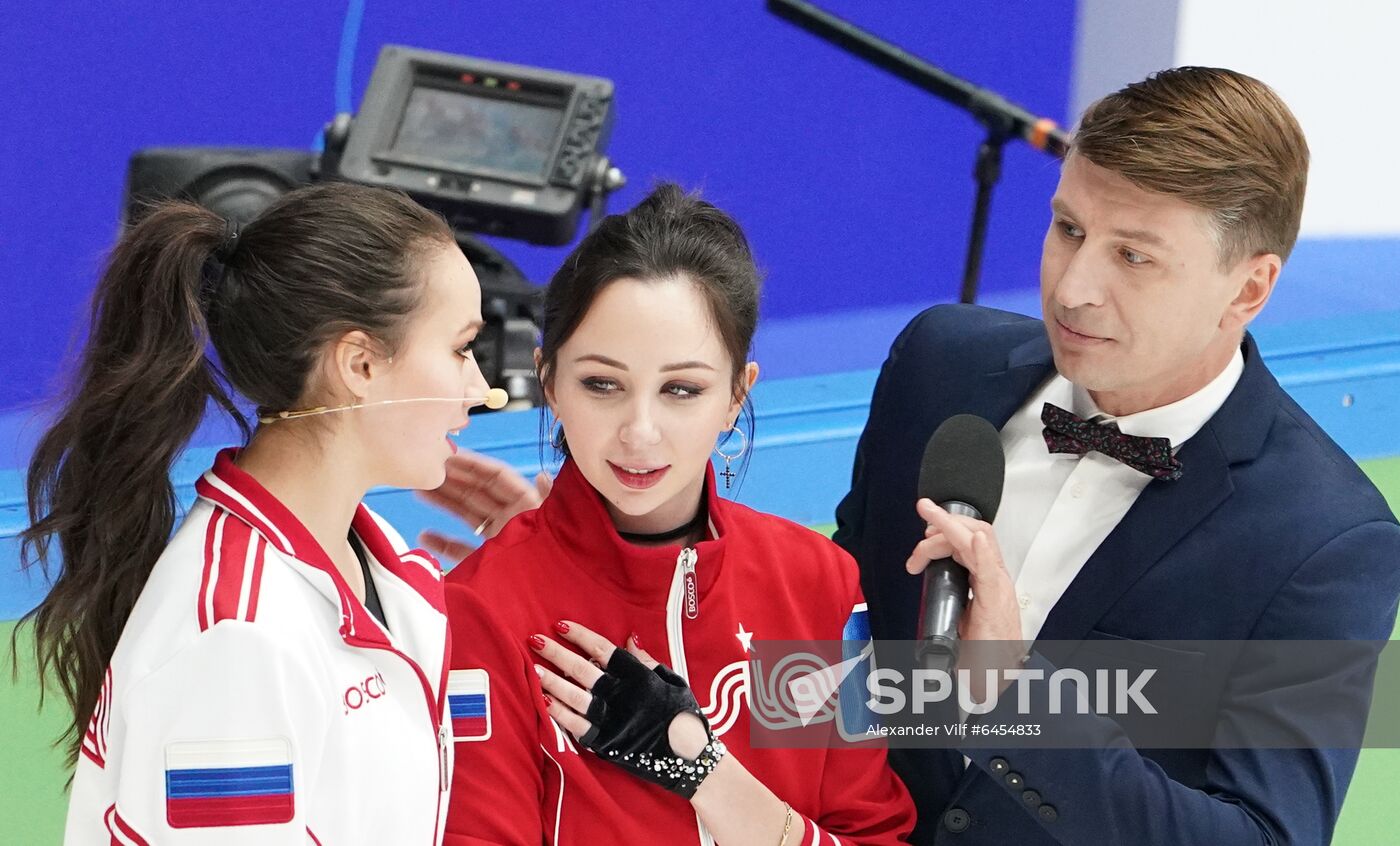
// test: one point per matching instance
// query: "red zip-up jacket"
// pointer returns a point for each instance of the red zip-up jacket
(520, 778)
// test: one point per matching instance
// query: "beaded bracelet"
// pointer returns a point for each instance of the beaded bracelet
(679, 775)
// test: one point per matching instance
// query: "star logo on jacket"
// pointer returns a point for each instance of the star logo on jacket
(744, 638)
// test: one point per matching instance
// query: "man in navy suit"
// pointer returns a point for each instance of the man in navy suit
(1160, 485)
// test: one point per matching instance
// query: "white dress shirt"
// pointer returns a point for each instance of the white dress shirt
(1057, 508)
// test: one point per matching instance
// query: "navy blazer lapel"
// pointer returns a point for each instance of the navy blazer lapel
(992, 390)
(1003, 392)
(1166, 511)
(1162, 515)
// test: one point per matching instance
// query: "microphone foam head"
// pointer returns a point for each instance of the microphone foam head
(964, 462)
(496, 398)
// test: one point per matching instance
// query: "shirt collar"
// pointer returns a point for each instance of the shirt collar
(580, 523)
(1177, 421)
(229, 487)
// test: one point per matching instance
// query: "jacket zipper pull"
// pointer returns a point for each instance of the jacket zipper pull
(443, 775)
(692, 590)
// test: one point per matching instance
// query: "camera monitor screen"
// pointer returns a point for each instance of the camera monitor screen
(475, 132)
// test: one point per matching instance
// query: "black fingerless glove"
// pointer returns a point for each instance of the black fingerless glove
(631, 716)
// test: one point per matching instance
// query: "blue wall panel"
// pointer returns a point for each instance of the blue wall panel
(1343, 372)
(855, 188)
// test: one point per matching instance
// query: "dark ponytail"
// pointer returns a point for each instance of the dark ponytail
(320, 262)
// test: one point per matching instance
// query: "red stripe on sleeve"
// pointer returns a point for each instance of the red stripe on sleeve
(233, 558)
(105, 725)
(258, 555)
(122, 834)
(210, 553)
(126, 830)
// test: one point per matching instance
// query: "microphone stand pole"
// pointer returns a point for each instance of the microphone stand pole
(1003, 120)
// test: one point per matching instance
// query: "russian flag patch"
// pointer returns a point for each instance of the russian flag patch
(211, 783)
(469, 704)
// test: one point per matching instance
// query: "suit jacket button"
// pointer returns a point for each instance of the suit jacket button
(1048, 813)
(957, 820)
(1031, 799)
(1015, 781)
(998, 765)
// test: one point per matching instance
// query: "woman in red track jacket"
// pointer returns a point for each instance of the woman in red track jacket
(647, 328)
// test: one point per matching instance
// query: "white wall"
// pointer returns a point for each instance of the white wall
(1336, 64)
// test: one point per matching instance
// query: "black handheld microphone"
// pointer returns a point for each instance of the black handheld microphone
(962, 471)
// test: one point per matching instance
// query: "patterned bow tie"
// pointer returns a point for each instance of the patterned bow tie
(1068, 432)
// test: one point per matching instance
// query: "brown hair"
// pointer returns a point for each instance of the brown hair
(1215, 138)
(669, 234)
(320, 262)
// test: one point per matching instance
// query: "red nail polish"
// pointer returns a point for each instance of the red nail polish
(547, 701)
(561, 627)
(537, 642)
(636, 641)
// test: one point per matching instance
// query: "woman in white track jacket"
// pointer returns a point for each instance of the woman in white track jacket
(272, 673)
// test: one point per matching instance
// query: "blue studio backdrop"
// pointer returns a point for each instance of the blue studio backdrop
(855, 188)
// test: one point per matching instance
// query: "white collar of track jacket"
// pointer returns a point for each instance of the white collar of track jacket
(230, 488)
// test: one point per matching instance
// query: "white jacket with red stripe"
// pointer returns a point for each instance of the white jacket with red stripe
(522, 780)
(253, 699)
